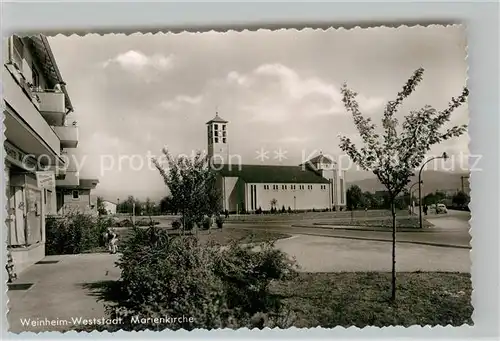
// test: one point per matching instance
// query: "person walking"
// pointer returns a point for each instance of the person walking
(425, 209)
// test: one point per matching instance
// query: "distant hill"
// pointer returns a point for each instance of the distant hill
(432, 181)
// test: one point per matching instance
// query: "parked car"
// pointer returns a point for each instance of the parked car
(441, 208)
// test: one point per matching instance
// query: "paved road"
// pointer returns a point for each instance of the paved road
(450, 230)
(320, 254)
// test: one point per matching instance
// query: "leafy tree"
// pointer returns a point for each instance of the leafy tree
(148, 206)
(167, 205)
(461, 199)
(394, 156)
(192, 184)
(354, 197)
(101, 209)
(434, 198)
(369, 200)
(273, 203)
(127, 205)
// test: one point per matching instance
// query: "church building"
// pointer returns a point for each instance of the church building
(316, 184)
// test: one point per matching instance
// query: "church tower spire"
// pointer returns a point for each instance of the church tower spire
(217, 138)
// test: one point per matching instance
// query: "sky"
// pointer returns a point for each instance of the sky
(279, 90)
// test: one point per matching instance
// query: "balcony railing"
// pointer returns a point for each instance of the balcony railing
(68, 135)
(89, 183)
(27, 116)
(52, 105)
(72, 179)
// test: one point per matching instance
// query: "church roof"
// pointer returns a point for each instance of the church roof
(217, 119)
(272, 174)
(320, 159)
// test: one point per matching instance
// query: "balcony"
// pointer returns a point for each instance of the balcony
(72, 179)
(26, 128)
(52, 106)
(89, 183)
(68, 135)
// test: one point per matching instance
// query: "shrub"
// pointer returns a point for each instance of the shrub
(176, 224)
(146, 222)
(207, 222)
(289, 209)
(124, 223)
(188, 225)
(219, 221)
(218, 287)
(75, 233)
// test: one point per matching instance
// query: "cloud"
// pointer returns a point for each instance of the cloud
(293, 139)
(276, 93)
(181, 100)
(136, 61)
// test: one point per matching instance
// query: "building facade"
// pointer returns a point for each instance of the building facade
(109, 206)
(316, 184)
(36, 106)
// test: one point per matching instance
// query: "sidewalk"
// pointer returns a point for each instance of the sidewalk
(58, 289)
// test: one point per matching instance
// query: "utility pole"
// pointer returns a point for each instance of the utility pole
(133, 213)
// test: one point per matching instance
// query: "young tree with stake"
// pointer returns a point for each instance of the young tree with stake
(395, 155)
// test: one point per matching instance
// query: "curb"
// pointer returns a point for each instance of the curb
(455, 246)
(347, 228)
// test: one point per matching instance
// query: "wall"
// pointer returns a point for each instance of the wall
(32, 63)
(305, 199)
(109, 207)
(232, 197)
(82, 204)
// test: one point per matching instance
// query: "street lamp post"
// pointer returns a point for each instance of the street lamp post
(294, 203)
(411, 192)
(444, 156)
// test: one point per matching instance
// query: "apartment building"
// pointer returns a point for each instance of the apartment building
(41, 180)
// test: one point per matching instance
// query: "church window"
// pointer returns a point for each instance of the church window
(216, 133)
(216, 126)
(341, 191)
(223, 127)
(223, 140)
(216, 140)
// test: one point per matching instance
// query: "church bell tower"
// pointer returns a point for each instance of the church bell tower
(218, 150)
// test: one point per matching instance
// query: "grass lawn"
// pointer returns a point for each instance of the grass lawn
(360, 299)
(401, 222)
(226, 235)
